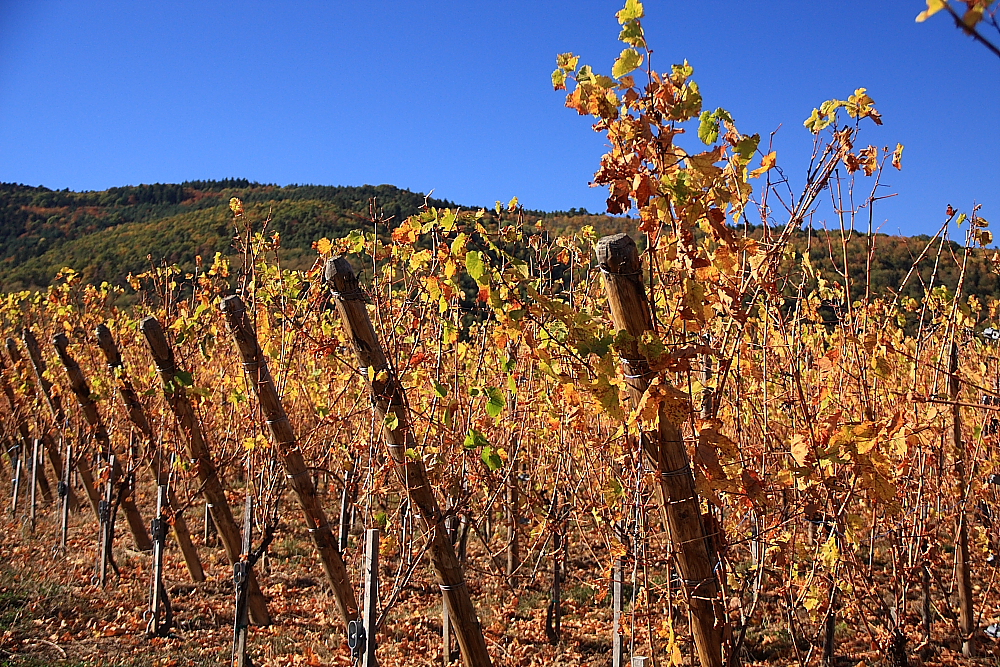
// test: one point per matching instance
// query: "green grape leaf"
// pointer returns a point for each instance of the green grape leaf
(491, 459)
(475, 439)
(496, 403)
(747, 146)
(440, 389)
(474, 263)
(628, 61)
(632, 11)
(391, 421)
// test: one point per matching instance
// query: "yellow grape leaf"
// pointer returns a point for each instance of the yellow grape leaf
(933, 7)
(800, 449)
(830, 553)
(973, 16)
(766, 164)
(897, 157)
(324, 245)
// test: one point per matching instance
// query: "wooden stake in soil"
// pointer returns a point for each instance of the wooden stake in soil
(967, 618)
(22, 427)
(83, 396)
(211, 486)
(137, 415)
(388, 399)
(296, 471)
(59, 417)
(619, 262)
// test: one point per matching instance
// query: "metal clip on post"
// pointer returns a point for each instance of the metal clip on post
(158, 593)
(241, 578)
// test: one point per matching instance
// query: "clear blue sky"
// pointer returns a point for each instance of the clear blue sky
(456, 96)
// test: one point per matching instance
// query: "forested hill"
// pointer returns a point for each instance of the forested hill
(107, 235)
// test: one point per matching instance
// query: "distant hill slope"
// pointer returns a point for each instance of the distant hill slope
(107, 235)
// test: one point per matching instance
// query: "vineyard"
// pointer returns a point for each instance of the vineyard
(464, 437)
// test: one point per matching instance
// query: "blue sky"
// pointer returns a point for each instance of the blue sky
(456, 97)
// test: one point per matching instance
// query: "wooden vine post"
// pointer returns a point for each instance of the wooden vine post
(55, 456)
(388, 400)
(22, 429)
(83, 396)
(59, 416)
(201, 459)
(22, 424)
(137, 415)
(966, 613)
(296, 470)
(619, 261)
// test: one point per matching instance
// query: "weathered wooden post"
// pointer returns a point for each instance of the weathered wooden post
(388, 399)
(211, 485)
(83, 396)
(966, 612)
(296, 470)
(59, 416)
(137, 415)
(619, 261)
(50, 446)
(22, 427)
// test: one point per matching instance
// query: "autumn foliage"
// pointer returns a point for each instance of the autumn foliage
(842, 442)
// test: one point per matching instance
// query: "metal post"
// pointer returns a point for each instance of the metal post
(451, 528)
(64, 492)
(106, 510)
(34, 483)
(18, 466)
(158, 593)
(617, 649)
(370, 612)
(241, 575)
(345, 511)
(209, 524)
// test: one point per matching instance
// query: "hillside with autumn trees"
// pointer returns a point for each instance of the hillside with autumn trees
(699, 431)
(108, 235)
